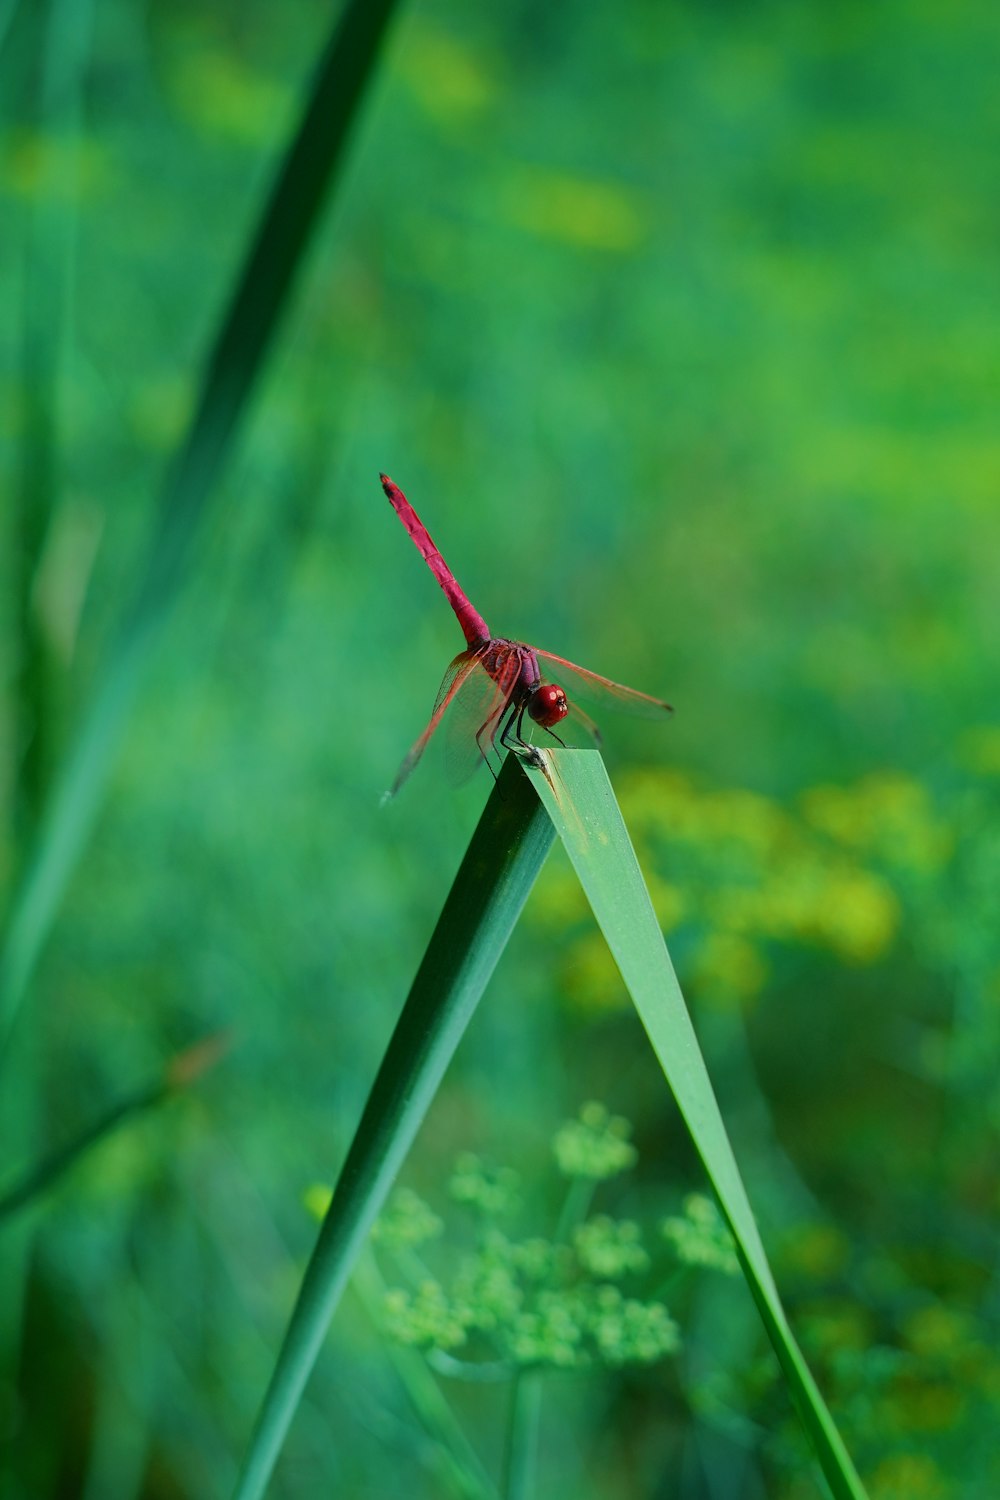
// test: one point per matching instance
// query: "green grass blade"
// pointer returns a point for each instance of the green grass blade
(575, 789)
(520, 1457)
(8, 10)
(61, 31)
(507, 851)
(180, 1073)
(236, 360)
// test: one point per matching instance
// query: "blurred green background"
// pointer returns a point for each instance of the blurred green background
(677, 323)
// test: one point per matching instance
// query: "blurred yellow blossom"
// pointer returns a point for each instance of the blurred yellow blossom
(590, 977)
(887, 814)
(924, 1406)
(837, 1323)
(558, 899)
(859, 915)
(728, 967)
(57, 168)
(221, 95)
(979, 750)
(734, 875)
(668, 901)
(908, 1476)
(819, 1251)
(448, 79)
(576, 210)
(937, 1332)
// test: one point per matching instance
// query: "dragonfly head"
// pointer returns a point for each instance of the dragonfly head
(547, 705)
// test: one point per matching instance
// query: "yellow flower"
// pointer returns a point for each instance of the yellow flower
(887, 814)
(859, 916)
(819, 1251)
(937, 1332)
(576, 210)
(729, 968)
(590, 977)
(908, 1476)
(446, 78)
(979, 750)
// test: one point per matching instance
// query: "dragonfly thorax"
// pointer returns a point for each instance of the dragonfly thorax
(547, 705)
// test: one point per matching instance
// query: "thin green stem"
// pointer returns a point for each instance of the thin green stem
(520, 1457)
(52, 1168)
(575, 1207)
(457, 1461)
(62, 28)
(475, 1372)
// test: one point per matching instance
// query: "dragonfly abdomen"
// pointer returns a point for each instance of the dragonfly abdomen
(474, 627)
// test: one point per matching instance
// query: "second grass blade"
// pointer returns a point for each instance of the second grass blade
(575, 788)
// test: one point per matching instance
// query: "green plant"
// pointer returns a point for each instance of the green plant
(493, 1303)
(571, 789)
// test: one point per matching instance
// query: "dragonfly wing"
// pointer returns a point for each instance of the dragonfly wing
(577, 716)
(459, 671)
(475, 718)
(601, 690)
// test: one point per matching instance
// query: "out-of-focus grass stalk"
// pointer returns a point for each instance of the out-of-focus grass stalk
(520, 1453)
(124, 1403)
(49, 97)
(238, 355)
(507, 850)
(61, 32)
(180, 1074)
(8, 10)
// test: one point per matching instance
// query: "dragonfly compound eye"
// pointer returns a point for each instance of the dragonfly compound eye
(548, 705)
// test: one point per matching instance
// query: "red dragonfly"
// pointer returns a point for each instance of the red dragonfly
(499, 681)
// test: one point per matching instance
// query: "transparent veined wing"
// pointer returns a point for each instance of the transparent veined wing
(600, 691)
(476, 714)
(455, 677)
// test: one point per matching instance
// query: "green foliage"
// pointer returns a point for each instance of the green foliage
(536, 1302)
(405, 1223)
(492, 1192)
(594, 1146)
(748, 886)
(699, 1237)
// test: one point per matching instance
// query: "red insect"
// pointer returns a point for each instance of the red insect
(496, 681)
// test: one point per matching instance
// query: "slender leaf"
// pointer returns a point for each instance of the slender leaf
(574, 786)
(181, 1072)
(520, 1456)
(507, 851)
(233, 367)
(8, 10)
(62, 38)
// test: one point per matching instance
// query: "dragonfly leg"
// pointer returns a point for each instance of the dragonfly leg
(518, 738)
(479, 742)
(515, 710)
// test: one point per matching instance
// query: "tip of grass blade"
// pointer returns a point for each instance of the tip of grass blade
(188, 1066)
